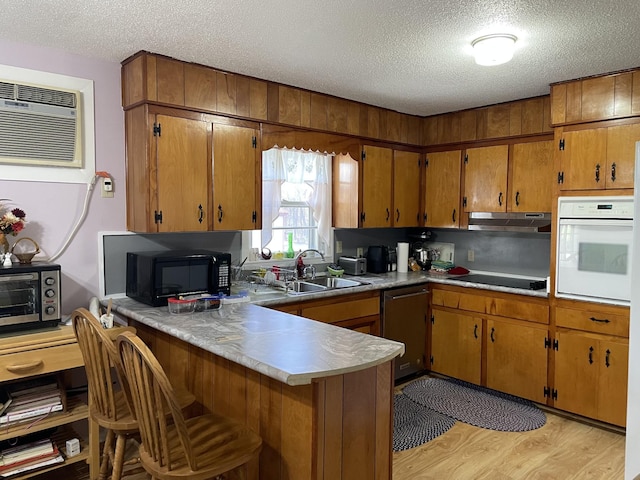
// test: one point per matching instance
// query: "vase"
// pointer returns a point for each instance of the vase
(5, 254)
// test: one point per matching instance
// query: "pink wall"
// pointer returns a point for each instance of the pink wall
(52, 208)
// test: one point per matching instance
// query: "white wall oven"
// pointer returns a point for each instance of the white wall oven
(593, 260)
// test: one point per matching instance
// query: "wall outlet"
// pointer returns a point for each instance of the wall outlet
(338, 246)
(471, 256)
(107, 187)
(359, 252)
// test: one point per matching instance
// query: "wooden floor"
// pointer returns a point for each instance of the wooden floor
(561, 450)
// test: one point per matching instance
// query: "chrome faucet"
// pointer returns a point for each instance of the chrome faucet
(302, 272)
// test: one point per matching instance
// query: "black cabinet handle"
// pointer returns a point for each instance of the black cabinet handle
(362, 217)
(493, 330)
(220, 213)
(599, 320)
(597, 172)
(475, 331)
(500, 199)
(388, 214)
(517, 199)
(606, 358)
(613, 172)
(397, 215)
(453, 216)
(200, 213)
(590, 355)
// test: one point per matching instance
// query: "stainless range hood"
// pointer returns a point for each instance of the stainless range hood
(510, 222)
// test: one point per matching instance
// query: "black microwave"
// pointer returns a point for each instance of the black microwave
(154, 277)
(29, 296)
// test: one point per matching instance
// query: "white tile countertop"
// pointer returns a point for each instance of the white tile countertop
(291, 349)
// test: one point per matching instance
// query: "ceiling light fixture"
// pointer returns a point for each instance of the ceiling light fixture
(494, 49)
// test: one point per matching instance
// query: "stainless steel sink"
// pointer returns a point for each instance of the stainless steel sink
(320, 284)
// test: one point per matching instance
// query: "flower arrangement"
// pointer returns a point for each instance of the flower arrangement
(12, 221)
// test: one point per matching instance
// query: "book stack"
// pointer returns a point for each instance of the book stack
(24, 402)
(23, 458)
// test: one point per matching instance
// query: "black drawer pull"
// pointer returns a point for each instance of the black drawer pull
(599, 320)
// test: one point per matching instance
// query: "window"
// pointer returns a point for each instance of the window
(296, 202)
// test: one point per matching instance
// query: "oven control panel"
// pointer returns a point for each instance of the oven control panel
(596, 207)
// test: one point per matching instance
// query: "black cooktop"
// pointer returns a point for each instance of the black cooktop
(510, 282)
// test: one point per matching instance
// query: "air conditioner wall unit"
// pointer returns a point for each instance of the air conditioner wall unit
(40, 125)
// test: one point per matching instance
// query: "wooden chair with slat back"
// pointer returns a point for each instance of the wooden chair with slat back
(110, 400)
(199, 448)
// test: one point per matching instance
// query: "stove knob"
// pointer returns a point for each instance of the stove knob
(49, 281)
(49, 293)
(50, 310)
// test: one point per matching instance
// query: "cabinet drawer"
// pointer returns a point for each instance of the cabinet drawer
(339, 311)
(593, 321)
(504, 307)
(39, 361)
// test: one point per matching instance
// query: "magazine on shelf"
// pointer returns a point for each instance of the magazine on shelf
(9, 417)
(26, 452)
(32, 464)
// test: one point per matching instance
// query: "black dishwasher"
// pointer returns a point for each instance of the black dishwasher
(404, 319)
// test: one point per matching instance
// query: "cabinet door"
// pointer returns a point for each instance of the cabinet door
(531, 177)
(182, 174)
(456, 344)
(442, 189)
(582, 162)
(485, 183)
(621, 155)
(612, 387)
(236, 178)
(377, 171)
(406, 189)
(517, 359)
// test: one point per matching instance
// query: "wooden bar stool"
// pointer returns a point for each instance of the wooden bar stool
(109, 405)
(199, 448)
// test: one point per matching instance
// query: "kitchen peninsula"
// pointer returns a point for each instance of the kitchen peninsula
(320, 396)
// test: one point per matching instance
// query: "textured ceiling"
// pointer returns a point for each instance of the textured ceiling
(412, 56)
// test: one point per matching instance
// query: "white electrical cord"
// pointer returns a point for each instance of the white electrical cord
(85, 208)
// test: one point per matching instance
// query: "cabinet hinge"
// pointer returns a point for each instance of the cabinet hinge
(555, 344)
(254, 216)
(547, 392)
(554, 394)
(466, 158)
(560, 177)
(464, 201)
(426, 162)
(157, 216)
(561, 144)
(547, 342)
(432, 319)
(254, 142)
(431, 359)
(362, 217)
(157, 129)
(364, 155)
(426, 215)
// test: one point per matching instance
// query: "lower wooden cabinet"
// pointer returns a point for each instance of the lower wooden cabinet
(360, 311)
(591, 361)
(492, 339)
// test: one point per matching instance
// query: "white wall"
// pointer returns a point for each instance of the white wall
(632, 457)
(52, 208)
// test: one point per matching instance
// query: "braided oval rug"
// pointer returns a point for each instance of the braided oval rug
(476, 405)
(414, 424)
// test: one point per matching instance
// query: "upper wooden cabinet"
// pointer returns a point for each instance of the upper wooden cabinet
(597, 158)
(237, 177)
(605, 97)
(442, 189)
(406, 189)
(382, 189)
(485, 184)
(509, 178)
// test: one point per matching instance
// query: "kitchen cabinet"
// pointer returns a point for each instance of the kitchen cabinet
(493, 339)
(189, 172)
(509, 178)
(597, 158)
(456, 345)
(380, 190)
(442, 189)
(359, 311)
(45, 352)
(406, 188)
(591, 360)
(237, 177)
